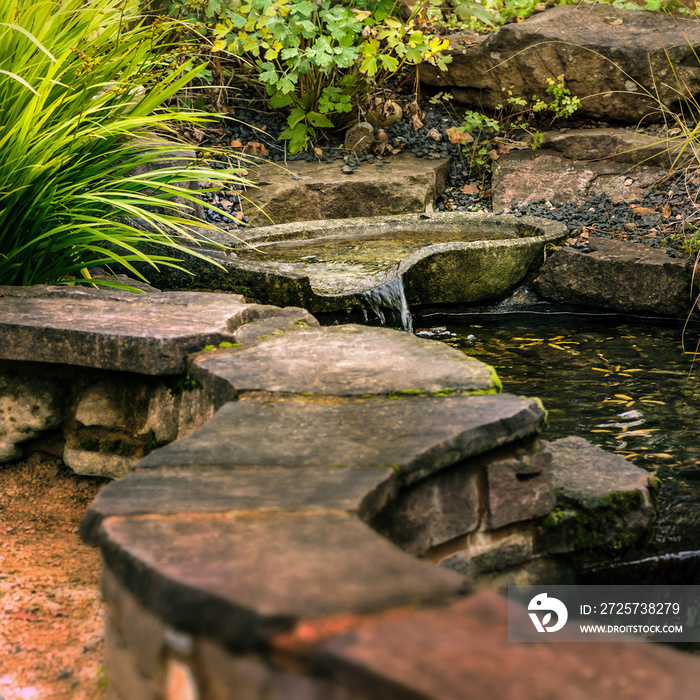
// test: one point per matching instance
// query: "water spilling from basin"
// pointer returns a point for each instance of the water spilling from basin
(388, 302)
(443, 258)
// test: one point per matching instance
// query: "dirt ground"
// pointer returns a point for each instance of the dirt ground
(50, 613)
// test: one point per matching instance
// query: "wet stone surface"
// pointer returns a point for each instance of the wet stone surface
(344, 360)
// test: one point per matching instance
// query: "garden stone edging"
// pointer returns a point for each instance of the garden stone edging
(231, 567)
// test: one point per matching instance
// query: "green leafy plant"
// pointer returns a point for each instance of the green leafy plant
(320, 59)
(81, 85)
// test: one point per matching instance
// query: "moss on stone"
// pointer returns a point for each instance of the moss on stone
(594, 526)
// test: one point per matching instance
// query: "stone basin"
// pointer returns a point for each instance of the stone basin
(443, 258)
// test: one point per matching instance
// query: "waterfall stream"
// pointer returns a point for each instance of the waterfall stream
(388, 302)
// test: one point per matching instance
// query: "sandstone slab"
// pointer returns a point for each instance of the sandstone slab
(491, 556)
(304, 191)
(346, 360)
(612, 59)
(415, 436)
(524, 177)
(519, 488)
(242, 579)
(181, 491)
(433, 511)
(148, 333)
(616, 275)
(464, 652)
(619, 145)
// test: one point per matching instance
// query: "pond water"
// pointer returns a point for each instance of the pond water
(626, 385)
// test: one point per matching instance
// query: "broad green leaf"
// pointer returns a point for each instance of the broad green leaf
(316, 119)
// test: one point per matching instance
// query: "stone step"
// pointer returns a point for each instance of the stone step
(523, 177)
(182, 491)
(465, 653)
(346, 360)
(241, 579)
(303, 191)
(415, 436)
(150, 333)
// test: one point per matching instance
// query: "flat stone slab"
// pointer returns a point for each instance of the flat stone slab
(444, 257)
(414, 436)
(528, 176)
(304, 191)
(619, 276)
(619, 145)
(181, 491)
(242, 579)
(345, 360)
(584, 474)
(150, 333)
(462, 651)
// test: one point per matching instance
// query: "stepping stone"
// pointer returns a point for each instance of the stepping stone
(241, 579)
(620, 276)
(462, 651)
(303, 191)
(149, 333)
(529, 176)
(344, 360)
(181, 491)
(414, 436)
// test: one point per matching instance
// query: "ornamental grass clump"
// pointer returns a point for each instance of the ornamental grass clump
(82, 89)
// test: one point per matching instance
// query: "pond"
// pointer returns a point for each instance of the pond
(625, 384)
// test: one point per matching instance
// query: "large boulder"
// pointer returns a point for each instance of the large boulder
(612, 59)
